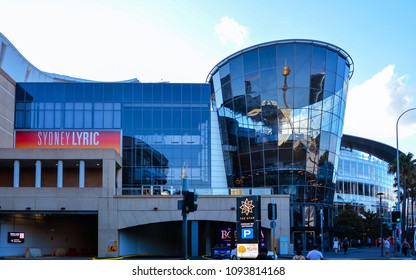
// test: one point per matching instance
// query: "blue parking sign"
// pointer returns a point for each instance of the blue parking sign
(247, 233)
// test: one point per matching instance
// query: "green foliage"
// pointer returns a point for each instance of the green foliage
(372, 223)
(407, 186)
(357, 226)
(349, 224)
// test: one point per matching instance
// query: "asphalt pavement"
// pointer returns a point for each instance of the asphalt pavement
(365, 253)
(361, 253)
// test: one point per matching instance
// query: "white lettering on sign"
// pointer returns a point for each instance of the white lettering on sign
(65, 138)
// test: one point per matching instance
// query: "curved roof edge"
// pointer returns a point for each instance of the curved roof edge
(329, 46)
(377, 149)
(63, 78)
(52, 76)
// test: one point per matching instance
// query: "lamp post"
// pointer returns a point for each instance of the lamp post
(380, 194)
(399, 228)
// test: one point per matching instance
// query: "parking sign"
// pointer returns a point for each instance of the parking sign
(247, 233)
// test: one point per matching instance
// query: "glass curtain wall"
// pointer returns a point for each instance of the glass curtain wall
(165, 126)
(361, 176)
(281, 109)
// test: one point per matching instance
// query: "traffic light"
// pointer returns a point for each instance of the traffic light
(395, 217)
(189, 204)
(272, 211)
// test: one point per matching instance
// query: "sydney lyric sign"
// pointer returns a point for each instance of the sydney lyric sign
(68, 139)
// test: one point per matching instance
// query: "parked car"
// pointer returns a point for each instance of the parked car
(233, 255)
(220, 251)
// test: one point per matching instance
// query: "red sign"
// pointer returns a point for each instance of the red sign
(68, 139)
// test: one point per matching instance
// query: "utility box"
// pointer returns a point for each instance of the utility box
(284, 245)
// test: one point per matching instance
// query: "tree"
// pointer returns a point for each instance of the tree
(412, 195)
(408, 182)
(372, 224)
(348, 223)
(357, 226)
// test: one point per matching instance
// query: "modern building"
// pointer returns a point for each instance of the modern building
(363, 173)
(111, 156)
(97, 168)
(281, 109)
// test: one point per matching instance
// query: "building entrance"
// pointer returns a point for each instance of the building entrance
(304, 240)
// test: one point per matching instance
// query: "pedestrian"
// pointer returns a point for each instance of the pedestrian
(398, 245)
(387, 246)
(391, 239)
(262, 254)
(405, 247)
(336, 245)
(315, 254)
(369, 242)
(299, 255)
(345, 245)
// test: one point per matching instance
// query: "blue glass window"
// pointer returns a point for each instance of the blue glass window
(88, 92)
(236, 67)
(108, 92)
(267, 57)
(251, 61)
(302, 71)
(331, 61)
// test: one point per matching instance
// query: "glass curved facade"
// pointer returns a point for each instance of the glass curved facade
(281, 109)
(361, 176)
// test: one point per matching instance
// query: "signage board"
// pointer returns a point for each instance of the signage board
(247, 250)
(248, 226)
(248, 209)
(248, 232)
(16, 237)
(68, 139)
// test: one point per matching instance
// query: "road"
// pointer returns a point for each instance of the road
(365, 253)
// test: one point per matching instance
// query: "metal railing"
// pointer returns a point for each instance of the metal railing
(177, 190)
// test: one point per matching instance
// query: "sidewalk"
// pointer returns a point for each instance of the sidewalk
(365, 253)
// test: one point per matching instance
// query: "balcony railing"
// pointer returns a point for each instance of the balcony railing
(171, 190)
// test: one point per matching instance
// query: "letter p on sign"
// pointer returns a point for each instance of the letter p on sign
(247, 233)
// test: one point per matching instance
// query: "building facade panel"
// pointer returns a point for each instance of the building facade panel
(7, 93)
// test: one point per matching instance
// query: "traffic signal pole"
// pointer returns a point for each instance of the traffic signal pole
(272, 215)
(184, 216)
(395, 219)
(399, 225)
(187, 205)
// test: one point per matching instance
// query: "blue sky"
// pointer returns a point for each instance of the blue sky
(181, 41)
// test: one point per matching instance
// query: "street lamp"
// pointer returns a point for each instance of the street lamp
(399, 228)
(380, 194)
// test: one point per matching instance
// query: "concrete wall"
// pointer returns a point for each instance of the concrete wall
(95, 197)
(7, 101)
(115, 212)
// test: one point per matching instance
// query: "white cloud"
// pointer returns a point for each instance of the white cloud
(230, 31)
(374, 106)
